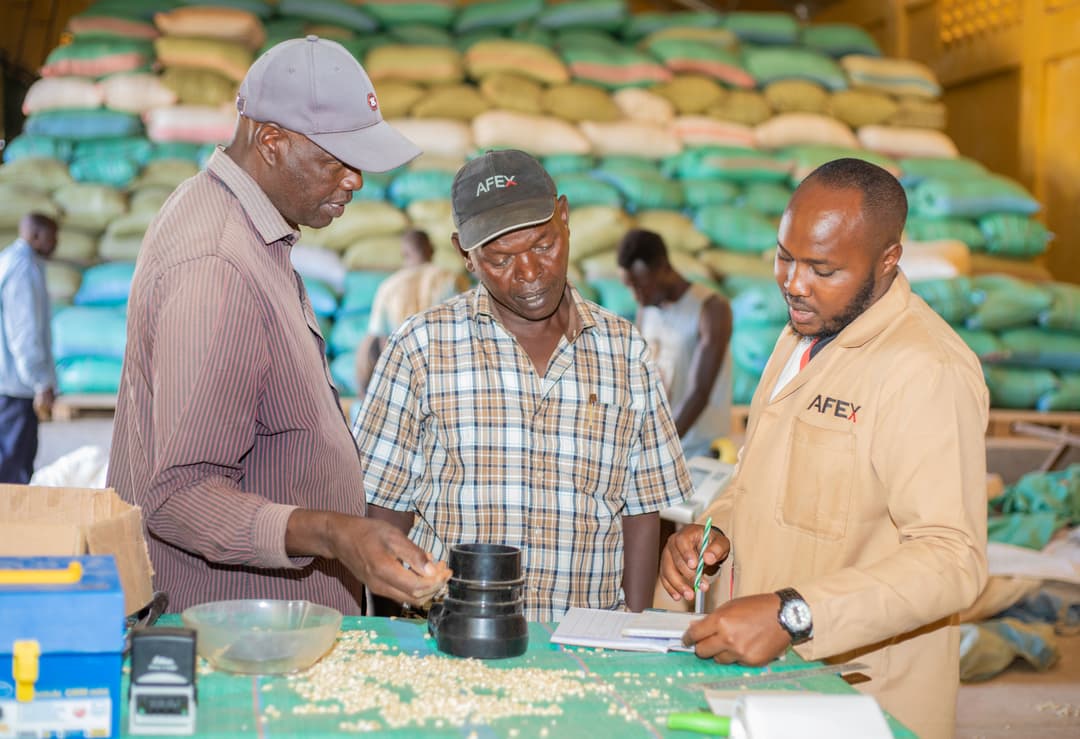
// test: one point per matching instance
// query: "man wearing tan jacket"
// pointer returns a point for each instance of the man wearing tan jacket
(855, 527)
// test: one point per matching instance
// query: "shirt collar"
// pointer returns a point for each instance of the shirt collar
(581, 316)
(266, 219)
(24, 246)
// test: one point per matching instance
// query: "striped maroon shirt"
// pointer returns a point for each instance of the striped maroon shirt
(227, 418)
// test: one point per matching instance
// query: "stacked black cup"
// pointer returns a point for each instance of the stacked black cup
(483, 613)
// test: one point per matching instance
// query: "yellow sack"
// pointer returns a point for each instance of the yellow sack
(429, 65)
(579, 102)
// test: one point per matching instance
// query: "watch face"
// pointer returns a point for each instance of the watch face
(796, 615)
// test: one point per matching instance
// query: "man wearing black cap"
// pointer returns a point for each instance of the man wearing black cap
(228, 431)
(519, 413)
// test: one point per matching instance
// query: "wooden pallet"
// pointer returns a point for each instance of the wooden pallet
(69, 407)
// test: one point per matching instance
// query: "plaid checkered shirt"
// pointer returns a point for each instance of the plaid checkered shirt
(458, 428)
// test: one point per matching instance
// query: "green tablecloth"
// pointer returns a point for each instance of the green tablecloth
(628, 694)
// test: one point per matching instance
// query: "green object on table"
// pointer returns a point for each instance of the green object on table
(701, 553)
(701, 722)
(643, 688)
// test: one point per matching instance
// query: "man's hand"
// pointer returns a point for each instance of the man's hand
(43, 403)
(376, 552)
(678, 563)
(744, 630)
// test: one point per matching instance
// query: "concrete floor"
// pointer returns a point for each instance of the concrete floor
(1020, 703)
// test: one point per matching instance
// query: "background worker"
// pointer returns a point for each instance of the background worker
(228, 430)
(856, 522)
(688, 328)
(27, 372)
(418, 285)
(519, 413)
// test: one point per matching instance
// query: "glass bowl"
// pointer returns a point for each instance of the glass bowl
(262, 637)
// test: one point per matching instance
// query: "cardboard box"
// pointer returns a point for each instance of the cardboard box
(43, 521)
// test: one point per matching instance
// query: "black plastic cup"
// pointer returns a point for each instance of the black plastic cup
(482, 615)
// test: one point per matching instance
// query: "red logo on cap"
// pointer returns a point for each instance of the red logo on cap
(372, 101)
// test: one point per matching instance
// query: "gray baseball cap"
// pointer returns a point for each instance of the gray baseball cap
(500, 192)
(315, 87)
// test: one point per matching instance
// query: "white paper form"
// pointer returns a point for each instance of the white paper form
(596, 627)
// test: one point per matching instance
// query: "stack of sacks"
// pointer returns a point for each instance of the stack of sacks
(759, 313)
(958, 199)
(205, 52)
(1026, 333)
(89, 337)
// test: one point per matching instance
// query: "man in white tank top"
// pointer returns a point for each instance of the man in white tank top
(688, 328)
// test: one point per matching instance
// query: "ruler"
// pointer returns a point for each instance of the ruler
(783, 676)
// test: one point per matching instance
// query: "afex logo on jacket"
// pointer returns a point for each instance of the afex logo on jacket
(840, 408)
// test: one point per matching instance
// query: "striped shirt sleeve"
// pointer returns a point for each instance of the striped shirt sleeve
(210, 359)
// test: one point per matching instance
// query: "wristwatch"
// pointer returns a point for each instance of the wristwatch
(794, 616)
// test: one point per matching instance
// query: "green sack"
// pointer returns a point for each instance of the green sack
(1066, 397)
(1042, 348)
(393, 13)
(25, 146)
(762, 304)
(333, 12)
(938, 198)
(1056, 492)
(731, 164)
(429, 184)
(323, 300)
(767, 198)
(809, 157)
(612, 67)
(1004, 302)
(743, 385)
(348, 331)
(343, 370)
(89, 375)
(950, 299)
(700, 193)
(584, 189)
(839, 39)
(180, 150)
(496, 14)
(763, 27)
(769, 65)
(644, 190)
(105, 284)
(935, 229)
(259, 8)
(359, 293)
(80, 124)
(983, 343)
(914, 170)
(1063, 312)
(701, 57)
(640, 25)
(736, 228)
(1032, 531)
(612, 294)
(376, 186)
(608, 15)
(135, 148)
(420, 34)
(80, 331)
(1012, 387)
(558, 164)
(113, 171)
(1014, 235)
(751, 346)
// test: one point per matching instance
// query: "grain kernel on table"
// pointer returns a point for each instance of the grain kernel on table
(359, 675)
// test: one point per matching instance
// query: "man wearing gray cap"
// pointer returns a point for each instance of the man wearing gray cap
(228, 429)
(518, 413)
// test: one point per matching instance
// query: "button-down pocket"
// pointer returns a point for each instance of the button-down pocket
(605, 441)
(819, 481)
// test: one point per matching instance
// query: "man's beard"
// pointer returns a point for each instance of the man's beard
(862, 300)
